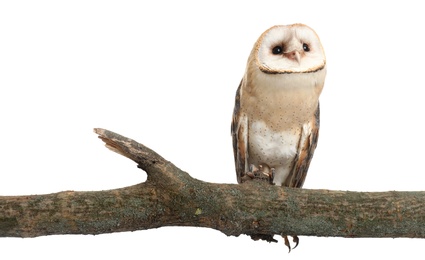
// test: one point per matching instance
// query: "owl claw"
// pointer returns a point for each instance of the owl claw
(267, 172)
(287, 244)
(262, 172)
(295, 239)
(250, 175)
(246, 177)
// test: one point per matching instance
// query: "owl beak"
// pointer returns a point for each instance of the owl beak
(295, 56)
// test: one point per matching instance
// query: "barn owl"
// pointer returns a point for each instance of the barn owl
(275, 122)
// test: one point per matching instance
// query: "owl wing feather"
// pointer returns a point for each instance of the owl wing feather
(306, 147)
(239, 130)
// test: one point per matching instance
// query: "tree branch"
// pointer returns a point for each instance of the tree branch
(171, 197)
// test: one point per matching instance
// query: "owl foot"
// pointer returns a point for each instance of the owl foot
(295, 239)
(263, 172)
(249, 176)
(267, 172)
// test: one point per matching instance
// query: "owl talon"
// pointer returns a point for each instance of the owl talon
(267, 172)
(287, 244)
(248, 176)
(295, 239)
(262, 172)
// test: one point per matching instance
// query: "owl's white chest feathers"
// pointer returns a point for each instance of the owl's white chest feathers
(276, 149)
(271, 147)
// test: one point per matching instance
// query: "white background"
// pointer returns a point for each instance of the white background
(165, 74)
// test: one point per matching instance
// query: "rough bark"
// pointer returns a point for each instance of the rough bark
(170, 197)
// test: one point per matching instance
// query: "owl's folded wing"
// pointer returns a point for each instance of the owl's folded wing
(306, 147)
(239, 130)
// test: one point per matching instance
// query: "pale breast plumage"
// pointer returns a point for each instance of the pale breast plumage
(276, 149)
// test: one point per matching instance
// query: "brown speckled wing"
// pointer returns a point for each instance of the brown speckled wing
(305, 154)
(239, 130)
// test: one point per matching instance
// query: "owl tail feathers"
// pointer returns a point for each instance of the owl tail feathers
(295, 239)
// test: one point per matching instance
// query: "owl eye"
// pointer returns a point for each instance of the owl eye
(277, 50)
(305, 47)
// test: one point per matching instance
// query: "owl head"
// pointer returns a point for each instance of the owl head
(292, 48)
